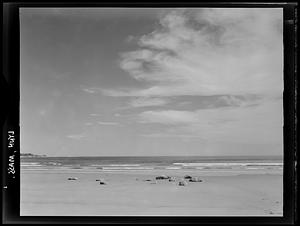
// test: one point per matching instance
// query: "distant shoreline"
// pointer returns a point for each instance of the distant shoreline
(157, 156)
(30, 155)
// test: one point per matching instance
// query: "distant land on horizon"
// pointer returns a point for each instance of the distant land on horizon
(30, 155)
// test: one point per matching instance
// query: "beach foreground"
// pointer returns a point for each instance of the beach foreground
(50, 193)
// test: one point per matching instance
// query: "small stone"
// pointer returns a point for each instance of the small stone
(195, 179)
(182, 183)
(162, 177)
(172, 179)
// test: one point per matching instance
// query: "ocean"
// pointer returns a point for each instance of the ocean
(136, 163)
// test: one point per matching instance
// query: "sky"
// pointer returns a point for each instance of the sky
(151, 81)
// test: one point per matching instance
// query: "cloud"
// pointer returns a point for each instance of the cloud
(108, 123)
(42, 112)
(168, 117)
(147, 102)
(94, 114)
(231, 58)
(209, 52)
(76, 136)
(168, 135)
(261, 123)
(239, 101)
(91, 90)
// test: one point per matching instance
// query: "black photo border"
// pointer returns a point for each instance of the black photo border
(10, 122)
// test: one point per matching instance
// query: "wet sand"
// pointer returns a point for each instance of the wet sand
(50, 193)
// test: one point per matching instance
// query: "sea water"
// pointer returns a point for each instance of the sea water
(135, 163)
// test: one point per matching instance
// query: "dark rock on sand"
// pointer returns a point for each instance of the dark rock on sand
(162, 177)
(195, 179)
(72, 178)
(182, 183)
(148, 180)
(102, 183)
(172, 179)
(187, 177)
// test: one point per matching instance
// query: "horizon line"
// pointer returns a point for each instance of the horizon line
(78, 156)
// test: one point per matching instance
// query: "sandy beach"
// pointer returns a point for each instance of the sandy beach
(221, 193)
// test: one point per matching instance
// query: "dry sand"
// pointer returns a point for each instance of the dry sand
(50, 193)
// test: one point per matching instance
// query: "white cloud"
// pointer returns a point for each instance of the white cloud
(209, 52)
(236, 53)
(76, 136)
(168, 117)
(241, 101)
(95, 114)
(108, 123)
(169, 135)
(91, 90)
(262, 123)
(42, 112)
(146, 102)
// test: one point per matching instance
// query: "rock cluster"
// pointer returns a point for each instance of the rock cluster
(195, 179)
(171, 179)
(102, 182)
(162, 177)
(182, 183)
